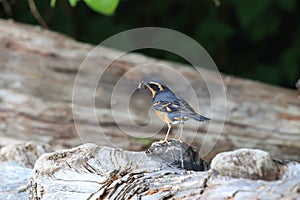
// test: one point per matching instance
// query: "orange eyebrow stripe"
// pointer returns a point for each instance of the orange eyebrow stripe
(158, 85)
(151, 90)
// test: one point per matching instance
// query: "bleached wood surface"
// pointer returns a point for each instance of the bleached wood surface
(37, 72)
(93, 172)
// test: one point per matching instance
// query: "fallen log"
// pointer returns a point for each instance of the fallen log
(93, 172)
(164, 171)
(38, 69)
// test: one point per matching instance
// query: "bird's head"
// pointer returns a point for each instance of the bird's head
(153, 86)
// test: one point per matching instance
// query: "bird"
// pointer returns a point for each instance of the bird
(169, 107)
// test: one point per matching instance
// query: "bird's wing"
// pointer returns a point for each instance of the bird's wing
(178, 106)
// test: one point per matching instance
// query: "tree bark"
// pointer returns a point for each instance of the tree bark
(38, 69)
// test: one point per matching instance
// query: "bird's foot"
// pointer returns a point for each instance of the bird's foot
(164, 141)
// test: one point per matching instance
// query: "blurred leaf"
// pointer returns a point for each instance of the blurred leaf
(52, 3)
(73, 3)
(268, 24)
(106, 7)
(289, 62)
(248, 10)
(286, 5)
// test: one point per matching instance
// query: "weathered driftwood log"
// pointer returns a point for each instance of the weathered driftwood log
(16, 163)
(93, 172)
(37, 73)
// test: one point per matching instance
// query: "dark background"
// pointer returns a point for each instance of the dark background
(259, 40)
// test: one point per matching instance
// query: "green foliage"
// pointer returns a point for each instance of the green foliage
(103, 6)
(106, 7)
(248, 10)
(212, 30)
(289, 61)
(264, 27)
(52, 3)
(73, 3)
(287, 5)
(253, 39)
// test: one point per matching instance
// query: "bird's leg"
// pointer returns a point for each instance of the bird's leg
(169, 128)
(180, 131)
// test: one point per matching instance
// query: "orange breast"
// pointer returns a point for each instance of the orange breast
(163, 116)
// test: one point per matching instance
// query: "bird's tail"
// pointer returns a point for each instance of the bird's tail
(198, 117)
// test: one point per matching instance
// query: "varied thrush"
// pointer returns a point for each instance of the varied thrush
(169, 107)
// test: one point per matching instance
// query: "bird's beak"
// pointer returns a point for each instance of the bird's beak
(142, 85)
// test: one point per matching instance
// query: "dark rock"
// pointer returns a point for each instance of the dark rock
(175, 152)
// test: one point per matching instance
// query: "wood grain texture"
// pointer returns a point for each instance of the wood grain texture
(93, 172)
(37, 73)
